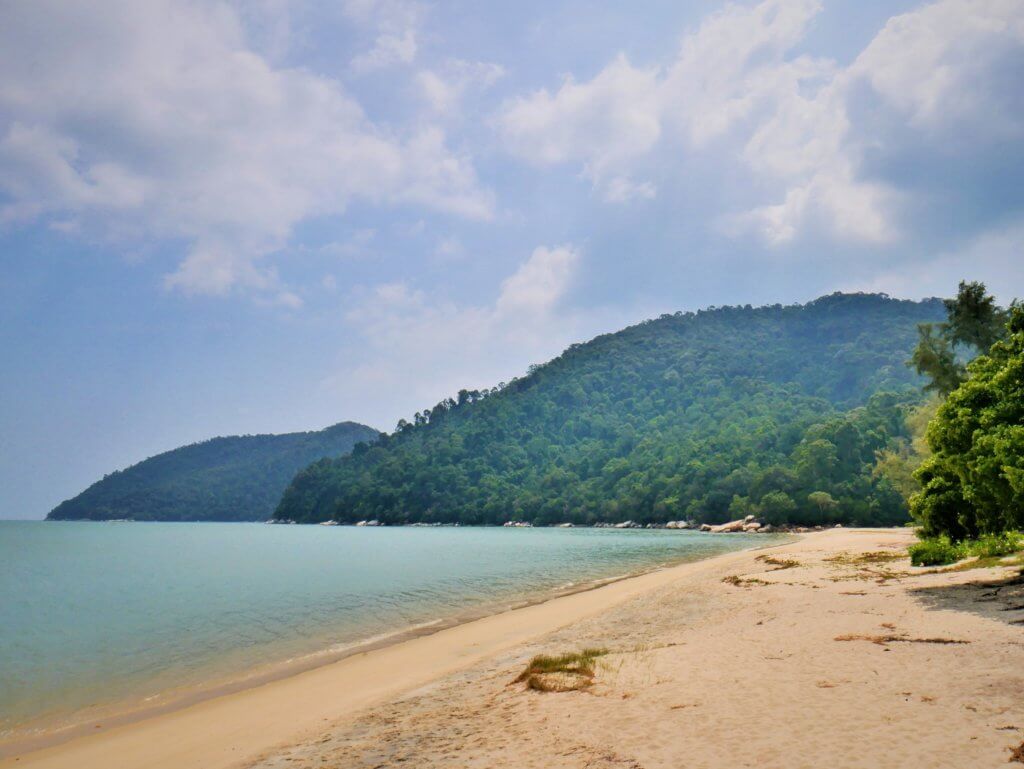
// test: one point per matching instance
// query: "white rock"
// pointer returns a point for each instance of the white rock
(729, 527)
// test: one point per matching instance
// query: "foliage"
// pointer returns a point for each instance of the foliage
(898, 462)
(775, 411)
(935, 551)
(239, 478)
(974, 322)
(974, 481)
(938, 551)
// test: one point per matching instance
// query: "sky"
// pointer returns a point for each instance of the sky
(267, 216)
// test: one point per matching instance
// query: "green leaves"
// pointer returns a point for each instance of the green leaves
(974, 483)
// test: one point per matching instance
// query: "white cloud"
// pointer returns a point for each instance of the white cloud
(737, 89)
(388, 50)
(993, 257)
(155, 120)
(443, 88)
(538, 283)
(606, 123)
(396, 24)
(436, 347)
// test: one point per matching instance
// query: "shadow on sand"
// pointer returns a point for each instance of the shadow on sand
(1000, 599)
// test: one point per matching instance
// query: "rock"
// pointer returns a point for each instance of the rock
(748, 519)
(765, 529)
(625, 525)
(727, 528)
(705, 527)
(565, 526)
(838, 526)
(753, 526)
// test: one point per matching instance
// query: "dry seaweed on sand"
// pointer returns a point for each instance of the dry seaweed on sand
(882, 640)
(1017, 754)
(778, 563)
(738, 581)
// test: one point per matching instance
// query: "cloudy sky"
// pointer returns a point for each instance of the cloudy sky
(272, 215)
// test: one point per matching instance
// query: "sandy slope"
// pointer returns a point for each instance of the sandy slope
(703, 673)
(711, 674)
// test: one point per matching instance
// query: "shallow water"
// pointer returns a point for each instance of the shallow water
(95, 614)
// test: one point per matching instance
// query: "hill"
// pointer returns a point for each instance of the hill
(776, 411)
(238, 478)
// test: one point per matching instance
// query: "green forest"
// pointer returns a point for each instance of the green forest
(238, 478)
(780, 411)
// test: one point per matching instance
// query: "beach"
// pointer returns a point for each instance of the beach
(826, 651)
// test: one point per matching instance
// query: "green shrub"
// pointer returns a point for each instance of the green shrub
(994, 545)
(936, 551)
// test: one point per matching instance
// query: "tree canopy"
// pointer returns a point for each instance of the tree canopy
(974, 322)
(973, 483)
(777, 411)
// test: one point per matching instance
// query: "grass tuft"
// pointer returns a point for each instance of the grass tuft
(564, 673)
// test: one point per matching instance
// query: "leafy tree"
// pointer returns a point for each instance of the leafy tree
(974, 322)
(974, 481)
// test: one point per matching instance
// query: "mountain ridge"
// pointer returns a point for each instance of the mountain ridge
(226, 478)
(693, 415)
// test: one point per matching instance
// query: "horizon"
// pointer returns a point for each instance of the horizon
(223, 218)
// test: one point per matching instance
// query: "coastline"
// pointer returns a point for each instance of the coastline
(124, 716)
(830, 650)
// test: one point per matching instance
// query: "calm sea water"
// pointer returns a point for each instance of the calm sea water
(95, 614)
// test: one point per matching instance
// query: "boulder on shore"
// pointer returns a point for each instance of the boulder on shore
(729, 527)
(705, 527)
(752, 526)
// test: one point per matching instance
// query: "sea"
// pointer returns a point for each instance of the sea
(106, 618)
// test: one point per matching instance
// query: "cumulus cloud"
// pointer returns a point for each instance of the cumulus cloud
(833, 149)
(157, 120)
(605, 123)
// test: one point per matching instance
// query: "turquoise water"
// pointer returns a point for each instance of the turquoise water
(97, 614)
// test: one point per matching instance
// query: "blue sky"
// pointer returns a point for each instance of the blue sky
(222, 218)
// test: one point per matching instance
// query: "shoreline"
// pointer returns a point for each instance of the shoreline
(829, 651)
(124, 716)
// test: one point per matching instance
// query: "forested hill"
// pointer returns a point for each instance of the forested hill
(776, 411)
(239, 478)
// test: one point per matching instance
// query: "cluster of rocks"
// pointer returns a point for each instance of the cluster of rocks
(517, 525)
(374, 522)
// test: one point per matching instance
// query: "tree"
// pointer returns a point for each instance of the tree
(974, 322)
(974, 481)
(823, 501)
